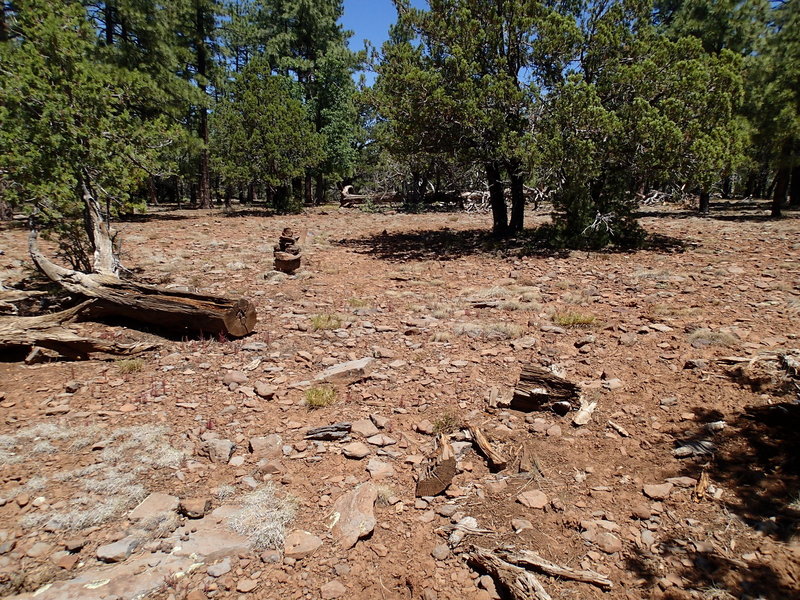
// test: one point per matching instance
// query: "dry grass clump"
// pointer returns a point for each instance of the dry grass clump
(673, 310)
(442, 337)
(447, 423)
(264, 517)
(491, 331)
(320, 397)
(709, 337)
(325, 321)
(225, 491)
(654, 274)
(130, 365)
(573, 319)
(358, 303)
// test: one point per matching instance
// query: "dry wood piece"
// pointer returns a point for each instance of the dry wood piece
(337, 431)
(49, 331)
(519, 583)
(539, 389)
(437, 471)
(169, 309)
(618, 428)
(287, 253)
(497, 461)
(584, 414)
(349, 199)
(531, 560)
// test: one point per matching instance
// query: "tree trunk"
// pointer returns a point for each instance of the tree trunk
(152, 190)
(319, 194)
(204, 181)
(727, 186)
(517, 199)
(779, 193)
(497, 199)
(794, 188)
(705, 199)
(308, 190)
(108, 16)
(228, 196)
(251, 193)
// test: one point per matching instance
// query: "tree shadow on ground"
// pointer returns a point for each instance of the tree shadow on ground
(152, 217)
(448, 244)
(730, 210)
(755, 461)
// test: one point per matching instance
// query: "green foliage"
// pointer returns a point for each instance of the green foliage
(262, 131)
(71, 122)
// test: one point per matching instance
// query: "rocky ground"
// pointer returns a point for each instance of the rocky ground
(188, 473)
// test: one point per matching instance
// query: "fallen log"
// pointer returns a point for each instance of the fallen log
(349, 199)
(49, 331)
(497, 462)
(437, 472)
(516, 581)
(531, 560)
(152, 305)
(540, 389)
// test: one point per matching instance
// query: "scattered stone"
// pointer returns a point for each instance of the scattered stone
(441, 552)
(269, 446)
(425, 427)
(221, 568)
(246, 585)
(219, 450)
(533, 499)
(154, 505)
(695, 363)
(264, 390)
(39, 550)
(381, 440)
(608, 542)
(380, 422)
(641, 511)
(332, 589)
(329, 433)
(352, 516)
(356, 450)
(195, 508)
(237, 377)
(379, 470)
(658, 491)
(299, 544)
(365, 428)
(348, 372)
(520, 525)
(119, 550)
(73, 386)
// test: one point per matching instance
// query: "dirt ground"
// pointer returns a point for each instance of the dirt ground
(450, 324)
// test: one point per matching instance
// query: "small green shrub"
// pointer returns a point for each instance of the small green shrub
(573, 319)
(320, 397)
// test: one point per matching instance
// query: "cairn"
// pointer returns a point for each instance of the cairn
(287, 253)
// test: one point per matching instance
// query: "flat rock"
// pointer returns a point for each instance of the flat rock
(195, 508)
(425, 427)
(533, 499)
(268, 446)
(347, 372)
(381, 440)
(357, 450)
(119, 550)
(365, 428)
(379, 470)
(299, 544)
(658, 491)
(219, 450)
(219, 569)
(608, 542)
(234, 377)
(332, 589)
(154, 505)
(264, 390)
(352, 515)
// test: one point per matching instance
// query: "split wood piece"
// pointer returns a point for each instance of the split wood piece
(152, 305)
(519, 583)
(330, 433)
(584, 415)
(48, 331)
(539, 389)
(497, 461)
(531, 560)
(619, 429)
(437, 471)
(349, 199)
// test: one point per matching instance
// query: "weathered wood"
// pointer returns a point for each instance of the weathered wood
(531, 560)
(49, 331)
(438, 470)
(152, 305)
(539, 389)
(330, 433)
(497, 461)
(349, 199)
(516, 581)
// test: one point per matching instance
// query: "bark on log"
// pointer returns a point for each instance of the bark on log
(48, 331)
(437, 471)
(531, 560)
(152, 305)
(539, 389)
(497, 462)
(517, 582)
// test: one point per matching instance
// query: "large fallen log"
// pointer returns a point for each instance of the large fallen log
(349, 199)
(49, 331)
(540, 389)
(152, 305)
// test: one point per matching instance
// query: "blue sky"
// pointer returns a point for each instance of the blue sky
(370, 19)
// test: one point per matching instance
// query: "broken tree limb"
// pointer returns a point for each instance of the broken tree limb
(152, 305)
(540, 389)
(349, 199)
(438, 470)
(519, 583)
(49, 331)
(497, 461)
(531, 560)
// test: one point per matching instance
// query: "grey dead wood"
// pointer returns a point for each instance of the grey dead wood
(519, 583)
(497, 461)
(540, 389)
(437, 471)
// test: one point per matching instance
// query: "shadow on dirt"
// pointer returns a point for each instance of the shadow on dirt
(755, 461)
(447, 244)
(734, 211)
